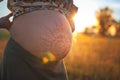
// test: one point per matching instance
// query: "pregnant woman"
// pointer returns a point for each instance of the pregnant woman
(41, 36)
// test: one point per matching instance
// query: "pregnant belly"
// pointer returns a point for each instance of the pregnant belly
(45, 34)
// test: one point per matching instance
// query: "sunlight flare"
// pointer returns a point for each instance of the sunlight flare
(85, 16)
(48, 57)
(45, 60)
(74, 36)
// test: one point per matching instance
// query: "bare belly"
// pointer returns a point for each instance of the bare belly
(43, 33)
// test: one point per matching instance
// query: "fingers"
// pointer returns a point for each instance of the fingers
(9, 15)
(5, 22)
(1, 0)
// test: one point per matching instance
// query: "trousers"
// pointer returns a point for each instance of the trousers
(19, 64)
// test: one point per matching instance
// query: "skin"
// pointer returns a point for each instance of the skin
(41, 38)
(5, 22)
(44, 33)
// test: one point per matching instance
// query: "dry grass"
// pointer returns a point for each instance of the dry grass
(94, 58)
(2, 45)
(3, 39)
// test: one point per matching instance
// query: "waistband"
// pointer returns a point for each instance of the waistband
(13, 48)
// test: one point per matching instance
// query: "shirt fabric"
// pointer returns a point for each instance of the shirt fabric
(20, 5)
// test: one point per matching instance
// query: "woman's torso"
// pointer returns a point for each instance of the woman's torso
(44, 33)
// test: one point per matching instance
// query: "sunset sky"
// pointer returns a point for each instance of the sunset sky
(86, 13)
(87, 10)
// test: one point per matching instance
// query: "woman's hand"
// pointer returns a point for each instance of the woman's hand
(1, 0)
(5, 22)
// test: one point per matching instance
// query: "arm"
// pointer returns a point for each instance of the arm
(5, 22)
(1, 0)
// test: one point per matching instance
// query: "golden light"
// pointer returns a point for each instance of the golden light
(45, 60)
(49, 57)
(112, 31)
(86, 14)
(74, 36)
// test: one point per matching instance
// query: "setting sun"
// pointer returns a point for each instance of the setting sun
(85, 16)
(83, 21)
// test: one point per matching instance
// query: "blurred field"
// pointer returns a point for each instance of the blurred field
(4, 35)
(90, 58)
(94, 58)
